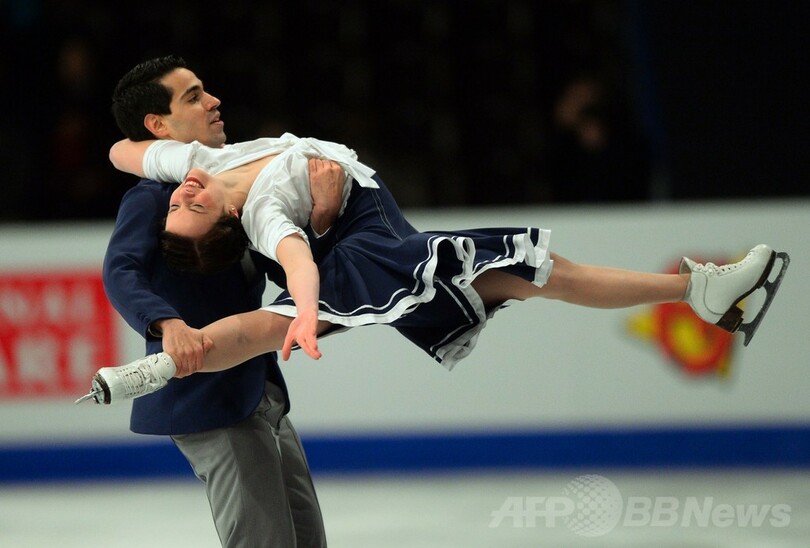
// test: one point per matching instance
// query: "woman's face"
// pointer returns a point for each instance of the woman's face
(196, 205)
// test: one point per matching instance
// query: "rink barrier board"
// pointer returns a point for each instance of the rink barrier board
(736, 447)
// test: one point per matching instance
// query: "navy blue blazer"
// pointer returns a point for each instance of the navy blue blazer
(142, 288)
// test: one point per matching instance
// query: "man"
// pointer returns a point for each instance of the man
(232, 426)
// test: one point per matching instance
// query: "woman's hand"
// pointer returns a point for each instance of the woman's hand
(304, 331)
(303, 283)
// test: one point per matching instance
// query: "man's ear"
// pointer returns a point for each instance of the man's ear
(156, 125)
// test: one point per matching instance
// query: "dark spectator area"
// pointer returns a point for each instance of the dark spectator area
(455, 103)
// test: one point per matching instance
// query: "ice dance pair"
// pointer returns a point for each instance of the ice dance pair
(438, 289)
(713, 292)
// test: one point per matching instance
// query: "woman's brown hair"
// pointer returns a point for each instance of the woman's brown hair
(219, 248)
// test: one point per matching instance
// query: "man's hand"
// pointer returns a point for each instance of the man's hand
(302, 330)
(326, 179)
(187, 346)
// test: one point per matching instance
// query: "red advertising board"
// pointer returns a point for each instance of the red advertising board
(56, 329)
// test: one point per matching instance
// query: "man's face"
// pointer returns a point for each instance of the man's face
(194, 115)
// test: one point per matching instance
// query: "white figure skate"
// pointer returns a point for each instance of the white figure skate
(715, 291)
(141, 377)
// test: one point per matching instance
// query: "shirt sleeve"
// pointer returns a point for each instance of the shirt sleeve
(279, 204)
(169, 161)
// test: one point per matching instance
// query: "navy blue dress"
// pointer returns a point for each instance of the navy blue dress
(381, 270)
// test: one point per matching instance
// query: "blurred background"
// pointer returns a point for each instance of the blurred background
(638, 131)
(456, 103)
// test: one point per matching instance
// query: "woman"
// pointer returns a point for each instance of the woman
(437, 289)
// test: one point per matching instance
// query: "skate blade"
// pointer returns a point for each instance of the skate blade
(771, 288)
(99, 392)
(89, 396)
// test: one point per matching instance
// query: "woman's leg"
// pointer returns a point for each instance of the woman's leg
(238, 338)
(244, 336)
(585, 285)
(229, 342)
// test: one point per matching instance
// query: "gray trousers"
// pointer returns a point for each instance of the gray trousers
(257, 480)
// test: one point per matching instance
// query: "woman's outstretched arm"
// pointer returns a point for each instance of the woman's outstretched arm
(303, 283)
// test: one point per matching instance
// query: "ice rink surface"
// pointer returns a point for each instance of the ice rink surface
(656, 508)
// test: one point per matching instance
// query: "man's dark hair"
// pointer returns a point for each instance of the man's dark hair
(140, 92)
(219, 248)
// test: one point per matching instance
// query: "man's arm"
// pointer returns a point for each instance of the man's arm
(326, 186)
(129, 259)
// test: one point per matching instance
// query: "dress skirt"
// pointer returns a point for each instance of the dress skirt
(381, 270)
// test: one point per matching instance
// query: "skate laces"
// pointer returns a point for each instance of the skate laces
(137, 379)
(712, 269)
